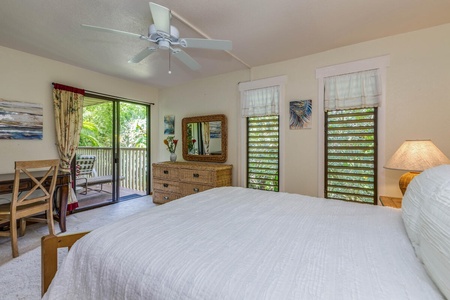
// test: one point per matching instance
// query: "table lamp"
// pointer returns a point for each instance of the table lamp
(415, 156)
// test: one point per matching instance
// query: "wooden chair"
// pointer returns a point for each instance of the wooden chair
(37, 198)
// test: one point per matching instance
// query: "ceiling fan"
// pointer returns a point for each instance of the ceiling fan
(167, 37)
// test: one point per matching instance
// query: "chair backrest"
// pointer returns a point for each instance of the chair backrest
(85, 165)
(41, 189)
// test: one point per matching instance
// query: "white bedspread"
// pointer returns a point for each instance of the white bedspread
(235, 243)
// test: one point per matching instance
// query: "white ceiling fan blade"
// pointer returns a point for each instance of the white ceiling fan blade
(141, 55)
(111, 30)
(206, 44)
(161, 17)
(186, 59)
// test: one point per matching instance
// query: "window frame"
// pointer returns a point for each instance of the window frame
(381, 63)
(242, 130)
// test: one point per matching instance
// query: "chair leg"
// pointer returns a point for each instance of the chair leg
(13, 230)
(23, 226)
(51, 225)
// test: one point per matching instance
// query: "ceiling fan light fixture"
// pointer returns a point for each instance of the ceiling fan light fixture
(163, 44)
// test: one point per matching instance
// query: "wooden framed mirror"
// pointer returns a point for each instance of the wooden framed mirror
(205, 138)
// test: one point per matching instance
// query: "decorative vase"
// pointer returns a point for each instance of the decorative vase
(173, 157)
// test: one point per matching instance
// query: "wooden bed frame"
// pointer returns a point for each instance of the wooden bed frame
(49, 255)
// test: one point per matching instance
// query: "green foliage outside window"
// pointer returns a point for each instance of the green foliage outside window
(97, 130)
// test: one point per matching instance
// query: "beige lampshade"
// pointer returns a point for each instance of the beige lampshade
(416, 156)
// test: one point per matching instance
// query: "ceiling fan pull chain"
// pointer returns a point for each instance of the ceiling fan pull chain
(170, 55)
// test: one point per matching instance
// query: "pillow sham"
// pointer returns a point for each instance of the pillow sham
(434, 233)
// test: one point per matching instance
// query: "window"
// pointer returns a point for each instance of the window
(353, 121)
(350, 155)
(262, 153)
(260, 138)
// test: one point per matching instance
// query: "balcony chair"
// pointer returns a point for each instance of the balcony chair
(87, 175)
(85, 170)
(28, 201)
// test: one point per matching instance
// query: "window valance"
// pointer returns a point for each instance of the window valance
(261, 101)
(353, 90)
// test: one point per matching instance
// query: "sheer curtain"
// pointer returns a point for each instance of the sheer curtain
(261, 102)
(68, 107)
(354, 90)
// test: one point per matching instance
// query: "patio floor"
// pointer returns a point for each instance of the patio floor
(96, 197)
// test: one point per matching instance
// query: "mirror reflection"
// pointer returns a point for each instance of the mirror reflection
(204, 138)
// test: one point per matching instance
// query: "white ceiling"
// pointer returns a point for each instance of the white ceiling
(262, 31)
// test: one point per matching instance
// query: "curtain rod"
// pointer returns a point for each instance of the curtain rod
(112, 96)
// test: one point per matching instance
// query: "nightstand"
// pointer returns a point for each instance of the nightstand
(391, 201)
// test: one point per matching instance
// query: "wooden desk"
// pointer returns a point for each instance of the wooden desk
(391, 201)
(62, 185)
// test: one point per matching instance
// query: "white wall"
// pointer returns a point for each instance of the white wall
(28, 78)
(417, 100)
(213, 95)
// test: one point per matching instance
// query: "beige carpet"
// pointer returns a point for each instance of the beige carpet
(20, 277)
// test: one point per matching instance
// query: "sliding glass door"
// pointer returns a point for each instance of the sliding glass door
(133, 150)
(113, 157)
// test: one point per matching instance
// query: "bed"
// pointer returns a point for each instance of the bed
(236, 243)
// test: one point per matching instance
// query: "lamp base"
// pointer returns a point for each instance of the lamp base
(405, 179)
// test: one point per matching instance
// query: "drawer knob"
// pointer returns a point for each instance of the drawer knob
(166, 172)
(196, 190)
(165, 185)
(196, 175)
(166, 197)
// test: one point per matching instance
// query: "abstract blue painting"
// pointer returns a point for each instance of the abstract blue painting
(300, 114)
(20, 120)
(169, 124)
(215, 130)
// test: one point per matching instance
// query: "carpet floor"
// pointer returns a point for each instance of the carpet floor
(21, 277)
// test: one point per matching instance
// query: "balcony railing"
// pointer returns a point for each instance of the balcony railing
(133, 165)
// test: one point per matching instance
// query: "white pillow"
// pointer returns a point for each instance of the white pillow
(419, 191)
(434, 233)
(411, 203)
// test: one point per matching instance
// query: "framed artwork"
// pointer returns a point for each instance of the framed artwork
(215, 130)
(300, 112)
(169, 124)
(21, 120)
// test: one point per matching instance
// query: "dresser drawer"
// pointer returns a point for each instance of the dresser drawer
(167, 186)
(196, 176)
(161, 197)
(164, 172)
(192, 188)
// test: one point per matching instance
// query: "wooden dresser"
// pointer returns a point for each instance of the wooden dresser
(173, 180)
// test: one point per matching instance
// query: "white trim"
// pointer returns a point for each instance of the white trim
(381, 63)
(262, 83)
(242, 126)
(355, 66)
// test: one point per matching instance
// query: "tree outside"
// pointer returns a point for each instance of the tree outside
(98, 126)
